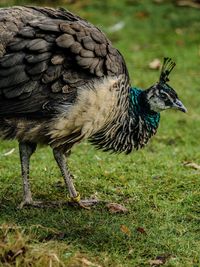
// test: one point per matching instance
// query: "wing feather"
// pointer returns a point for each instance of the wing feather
(50, 55)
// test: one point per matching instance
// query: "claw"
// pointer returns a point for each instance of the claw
(29, 203)
(75, 201)
(86, 204)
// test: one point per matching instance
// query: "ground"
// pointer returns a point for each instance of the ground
(159, 185)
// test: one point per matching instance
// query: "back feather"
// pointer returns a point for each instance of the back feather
(46, 56)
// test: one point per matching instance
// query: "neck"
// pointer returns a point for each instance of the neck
(140, 108)
(133, 127)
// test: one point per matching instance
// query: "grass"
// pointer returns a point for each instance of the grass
(161, 193)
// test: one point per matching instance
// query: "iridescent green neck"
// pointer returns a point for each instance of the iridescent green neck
(132, 128)
(140, 108)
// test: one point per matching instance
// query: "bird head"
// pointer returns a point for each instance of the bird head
(161, 96)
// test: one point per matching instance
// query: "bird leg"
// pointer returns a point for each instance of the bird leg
(60, 159)
(68, 178)
(26, 149)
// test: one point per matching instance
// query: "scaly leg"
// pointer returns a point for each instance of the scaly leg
(26, 149)
(68, 178)
(60, 159)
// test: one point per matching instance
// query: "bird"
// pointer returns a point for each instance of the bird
(62, 81)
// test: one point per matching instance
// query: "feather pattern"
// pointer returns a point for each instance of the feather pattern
(62, 81)
(55, 48)
(132, 129)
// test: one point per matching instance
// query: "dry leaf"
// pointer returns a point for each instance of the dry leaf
(142, 14)
(156, 262)
(192, 165)
(141, 230)
(86, 262)
(179, 31)
(117, 27)
(97, 158)
(9, 152)
(155, 64)
(124, 229)
(190, 3)
(116, 208)
(159, 260)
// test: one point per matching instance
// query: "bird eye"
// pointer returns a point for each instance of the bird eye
(164, 96)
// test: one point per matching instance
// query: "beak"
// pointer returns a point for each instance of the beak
(179, 105)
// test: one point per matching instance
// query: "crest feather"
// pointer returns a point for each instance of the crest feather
(167, 67)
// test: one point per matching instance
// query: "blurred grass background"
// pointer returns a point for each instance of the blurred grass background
(160, 191)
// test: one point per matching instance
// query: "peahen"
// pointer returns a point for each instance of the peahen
(62, 81)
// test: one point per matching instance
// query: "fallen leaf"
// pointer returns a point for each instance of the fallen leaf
(117, 27)
(179, 31)
(155, 64)
(116, 208)
(159, 260)
(9, 152)
(86, 262)
(142, 14)
(190, 3)
(97, 158)
(192, 165)
(156, 177)
(156, 262)
(141, 230)
(124, 229)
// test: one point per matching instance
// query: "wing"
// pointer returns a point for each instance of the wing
(47, 56)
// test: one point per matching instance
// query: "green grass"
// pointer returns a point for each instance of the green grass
(161, 194)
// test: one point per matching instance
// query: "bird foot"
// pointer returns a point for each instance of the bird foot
(31, 203)
(73, 201)
(82, 203)
(85, 203)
